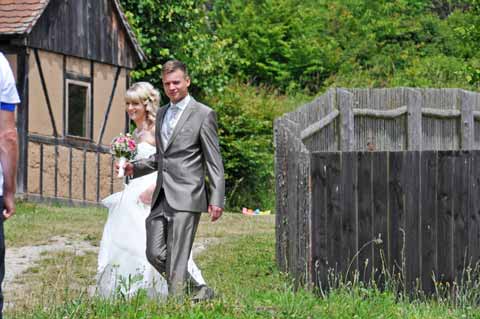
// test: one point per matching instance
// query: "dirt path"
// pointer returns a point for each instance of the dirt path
(19, 259)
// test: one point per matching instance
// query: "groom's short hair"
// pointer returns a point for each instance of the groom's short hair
(174, 65)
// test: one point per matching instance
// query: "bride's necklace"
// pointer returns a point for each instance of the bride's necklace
(142, 135)
(141, 132)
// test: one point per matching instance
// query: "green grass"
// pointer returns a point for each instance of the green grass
(240, 267)
(35, 224)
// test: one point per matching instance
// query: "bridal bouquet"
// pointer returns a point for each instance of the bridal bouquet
(124, 148)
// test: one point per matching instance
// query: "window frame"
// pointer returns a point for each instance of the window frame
(88, 124)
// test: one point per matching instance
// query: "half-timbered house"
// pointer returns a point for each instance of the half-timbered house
(71, 60)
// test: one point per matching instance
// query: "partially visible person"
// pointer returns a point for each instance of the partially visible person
(8, 155)
(122, 264)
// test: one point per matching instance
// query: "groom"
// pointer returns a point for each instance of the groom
(188, 152)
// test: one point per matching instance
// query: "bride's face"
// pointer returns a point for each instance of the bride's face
(136, 111)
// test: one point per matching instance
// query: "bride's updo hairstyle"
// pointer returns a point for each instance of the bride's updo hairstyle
(144, 93)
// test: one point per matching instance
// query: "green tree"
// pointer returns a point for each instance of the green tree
(179, 29)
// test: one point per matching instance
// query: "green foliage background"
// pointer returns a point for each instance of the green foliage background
(252, 60)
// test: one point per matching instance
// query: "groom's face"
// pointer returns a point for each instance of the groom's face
(176, 85)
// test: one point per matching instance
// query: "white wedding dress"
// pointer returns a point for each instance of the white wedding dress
(122, 264)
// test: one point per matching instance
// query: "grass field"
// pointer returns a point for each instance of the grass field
(239, 265)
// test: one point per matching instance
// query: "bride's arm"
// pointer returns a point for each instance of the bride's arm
(146, 196)
(145, 166)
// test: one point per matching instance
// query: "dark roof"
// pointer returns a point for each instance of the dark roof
(18, 17)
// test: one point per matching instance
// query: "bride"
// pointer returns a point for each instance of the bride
(122, 263)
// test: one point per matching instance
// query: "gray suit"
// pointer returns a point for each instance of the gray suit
(191, 154)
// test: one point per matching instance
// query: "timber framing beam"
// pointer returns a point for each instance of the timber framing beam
(45, 92)
(107, 113)
(22, 120)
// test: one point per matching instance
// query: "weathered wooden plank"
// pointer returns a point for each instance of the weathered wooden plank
(304, 216)
(41, 170)
(70, 171)
(318, 126)
(278, 145)
(22, 120)
(380, 113)
(48, 140)
(474, 210)
(345, 105)
(412, 218)
(283, 231)
(64, 95)
(98, 178)
(84, 180)
(467, 121)
(365, 217)
(319, 219)
(334, 211)
(414, 120)
(349, 244)
(92, 100)
(292, 207)
(428, 190)
(441, 113)
(297, 265)
(380, 214)
(56, 171)
(397, 212)
(446, 173)
(461, 194)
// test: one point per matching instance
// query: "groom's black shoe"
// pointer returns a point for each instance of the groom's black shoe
(204, 293)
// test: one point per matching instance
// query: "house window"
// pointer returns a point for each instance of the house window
(78, 109)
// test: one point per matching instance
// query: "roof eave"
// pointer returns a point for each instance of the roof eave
(34, 21)
(133, 39)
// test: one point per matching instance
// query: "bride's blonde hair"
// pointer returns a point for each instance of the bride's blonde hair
(144, 93)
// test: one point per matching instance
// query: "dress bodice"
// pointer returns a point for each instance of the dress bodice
(145, 150)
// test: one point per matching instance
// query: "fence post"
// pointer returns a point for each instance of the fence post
(467, 100)
(345, 106)
(414, 120)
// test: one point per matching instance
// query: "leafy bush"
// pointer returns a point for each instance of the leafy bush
(245, 117)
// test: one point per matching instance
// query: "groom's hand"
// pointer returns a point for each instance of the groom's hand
(128, 169)
(215, 212)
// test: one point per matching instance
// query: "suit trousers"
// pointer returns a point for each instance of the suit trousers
(170, 236)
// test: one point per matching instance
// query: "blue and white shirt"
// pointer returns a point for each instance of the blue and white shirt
(8, 96)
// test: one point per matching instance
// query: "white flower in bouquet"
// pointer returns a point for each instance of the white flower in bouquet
(124, 148)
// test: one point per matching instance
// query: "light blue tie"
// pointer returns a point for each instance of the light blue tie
(171, 120)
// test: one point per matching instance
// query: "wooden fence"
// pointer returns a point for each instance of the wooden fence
(416, 198)
(69, 172)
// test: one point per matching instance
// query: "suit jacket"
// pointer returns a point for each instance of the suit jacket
(191, 154)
